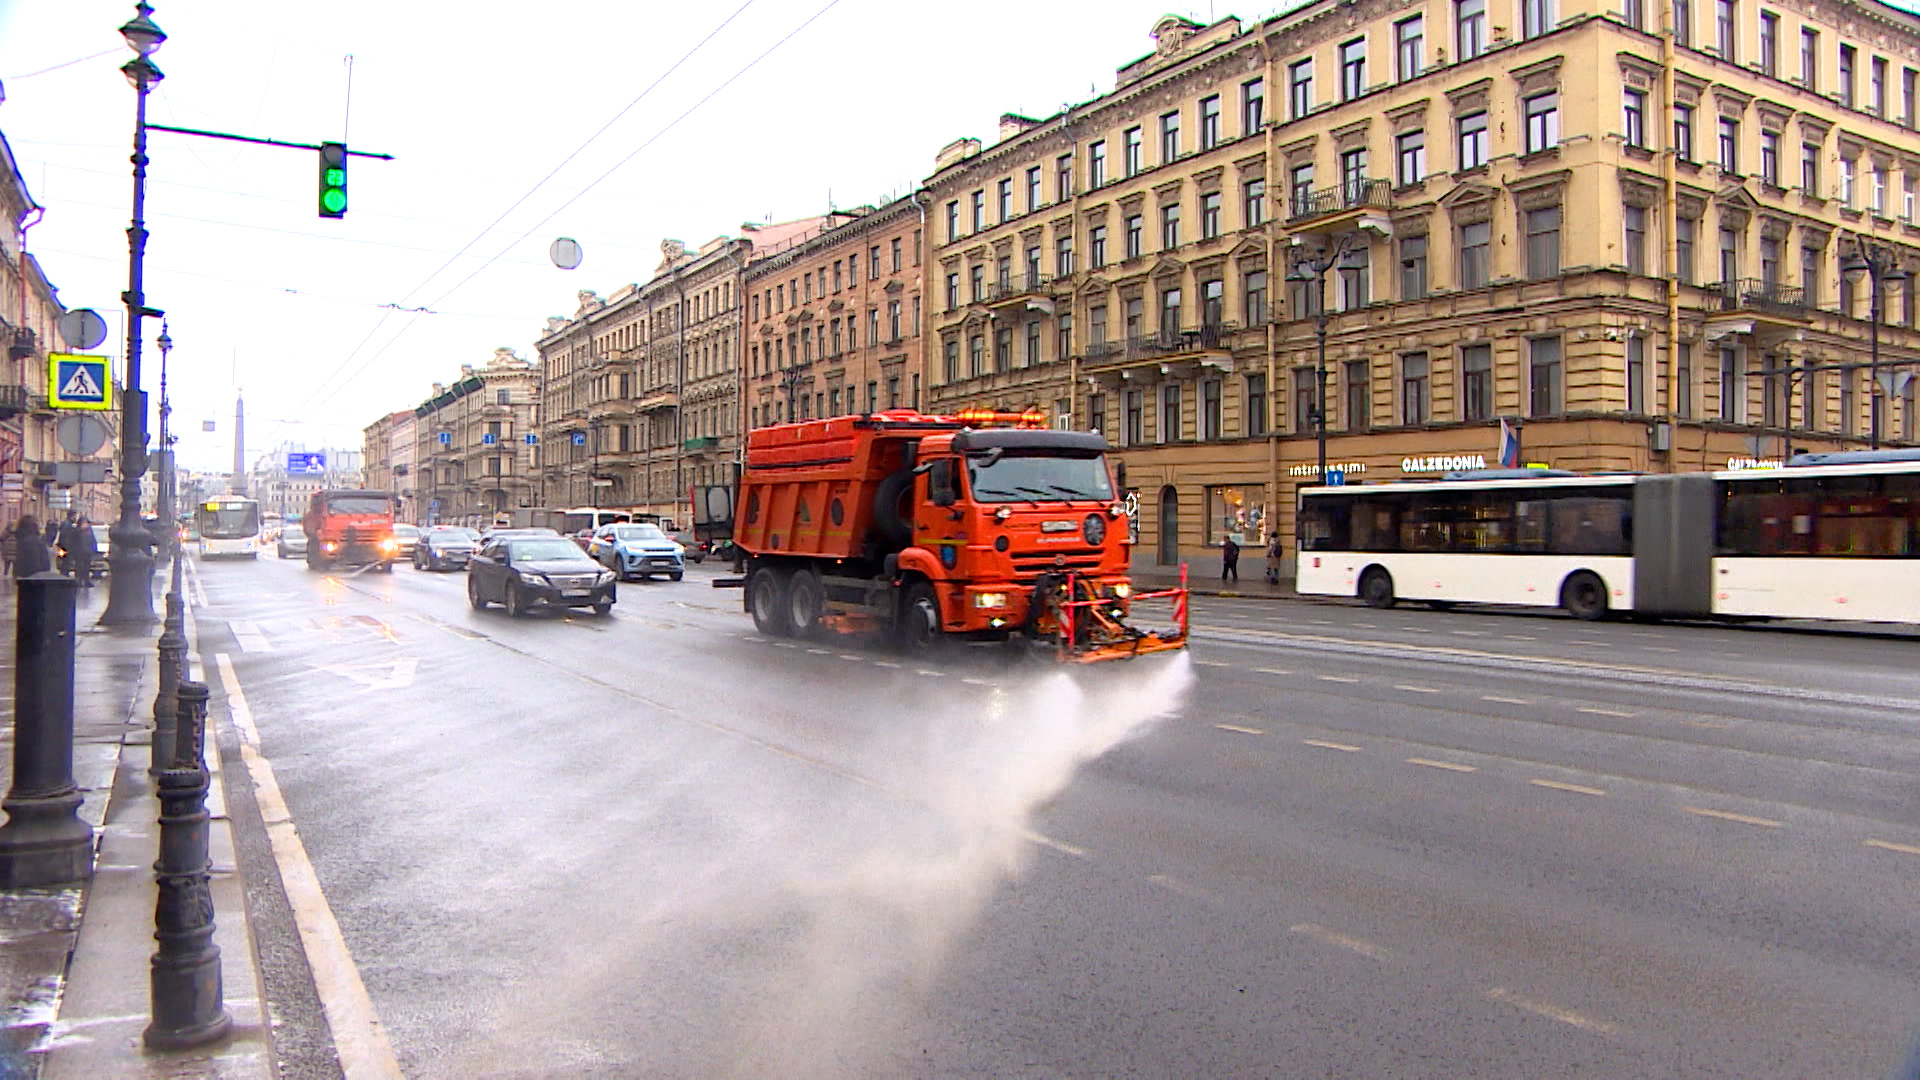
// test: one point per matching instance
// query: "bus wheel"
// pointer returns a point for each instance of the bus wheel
(1584, 596)
(767, 596)
(1376, 588)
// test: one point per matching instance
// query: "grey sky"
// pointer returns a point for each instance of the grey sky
(477, 103)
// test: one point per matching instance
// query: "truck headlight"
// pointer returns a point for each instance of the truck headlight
(990, 600)
(389, 545)
(1122, 590)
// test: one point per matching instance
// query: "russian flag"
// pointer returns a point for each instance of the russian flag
(1509, 445)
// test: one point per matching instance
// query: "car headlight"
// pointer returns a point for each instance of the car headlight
(330, 546)
(604, 578)
(532, 578)
(990, 600)
(679, 549)
(1122, 590)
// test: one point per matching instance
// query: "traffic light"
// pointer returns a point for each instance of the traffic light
(333, 180)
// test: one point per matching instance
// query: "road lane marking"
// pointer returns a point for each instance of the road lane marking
(976, 682)
(1658, 648)
(247, 635)
(1174, 884)
(1578, 789)
(856, 658)
(930, 674)
(360, 1043)
(1505, 700)
(1450, 766)
(1889, 845)
(1604, 712)
(1415, 689)
(1241, 730)
(885, 663)
(785, 645)
(1335, 678)
(1333, 937)
(1060, 846)
(1469, 633)
(1741, 818)
(1212, 663)
(1519, 637)
(1552, 1012)
(1324, 745)
(819, 652)
(1319, 622)
(1272, 671)
(1367, 625)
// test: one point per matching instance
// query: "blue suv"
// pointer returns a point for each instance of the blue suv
(637, 551)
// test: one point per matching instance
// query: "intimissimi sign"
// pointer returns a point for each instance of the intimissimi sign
(1445, 463)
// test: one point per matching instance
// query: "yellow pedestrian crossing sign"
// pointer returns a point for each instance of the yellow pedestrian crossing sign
(79, 382)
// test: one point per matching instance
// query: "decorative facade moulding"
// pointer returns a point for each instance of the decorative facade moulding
(1638, 72)
(1299, 150)
(1734, 217)
(1469, 204)
(1814, 236)
(1347, 136)
(1813, 129)
(1473, 97)
(1063, 224)
(1409, 116)
(1774, 228)
(1540, 76)
(1414, 223)
(1255, 164)
(1542, 191)
(1170, 190)
(895, 287)
(1638, 193)
(1773, 115)
(1731, 103)
(1131, 204)
(1033, 233)
(1850, 148)
(1687, 90)
(1095, 214)
(1209, 179)
(1690, 205)
(1249, 248)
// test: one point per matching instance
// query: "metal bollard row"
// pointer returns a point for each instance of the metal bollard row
(188, 999)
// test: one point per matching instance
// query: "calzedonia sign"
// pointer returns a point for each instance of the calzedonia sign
(1443, 463)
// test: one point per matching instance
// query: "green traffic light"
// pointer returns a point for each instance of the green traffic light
(334, 200)
(336, 177)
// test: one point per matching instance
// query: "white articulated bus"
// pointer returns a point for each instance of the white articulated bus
(1828, 536)
(228, 525)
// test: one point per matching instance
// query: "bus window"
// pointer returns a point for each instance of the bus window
(1835, 517)
(1324, 524)
(1593, 523)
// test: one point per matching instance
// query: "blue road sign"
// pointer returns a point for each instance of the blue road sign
(489, 440)
(579, 438)
(306, 464)
(79, 382)
(533, 440)
(1336, 477)
(446, 439)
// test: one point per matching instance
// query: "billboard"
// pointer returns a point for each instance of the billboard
(306, 464)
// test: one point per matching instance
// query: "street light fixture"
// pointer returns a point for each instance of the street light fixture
(1312, 268)
(130, 597)
(1881, 265)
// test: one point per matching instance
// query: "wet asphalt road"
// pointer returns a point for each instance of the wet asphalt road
(1332, 842)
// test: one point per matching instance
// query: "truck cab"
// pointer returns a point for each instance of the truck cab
(350, 527)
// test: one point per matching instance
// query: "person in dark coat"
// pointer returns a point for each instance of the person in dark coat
(86, 553)
(68, 539)
(30, 555)
(53, 533)
(1229, 558)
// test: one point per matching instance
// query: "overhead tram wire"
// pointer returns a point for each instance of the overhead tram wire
(675, 122)
(477, 237)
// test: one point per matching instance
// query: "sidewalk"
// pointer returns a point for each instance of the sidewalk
(74, 961)
(1203, 579)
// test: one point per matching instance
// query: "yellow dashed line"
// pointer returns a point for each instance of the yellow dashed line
(1741, 818)
(1552, 1012)
(1908, 849)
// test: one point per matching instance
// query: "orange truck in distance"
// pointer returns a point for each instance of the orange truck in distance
(350, 528)
(981, 526)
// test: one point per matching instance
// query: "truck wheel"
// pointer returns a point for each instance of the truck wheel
(919, 622)
(767, 596)
(804, 602)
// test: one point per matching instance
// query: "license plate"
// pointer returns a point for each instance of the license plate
(576, 592)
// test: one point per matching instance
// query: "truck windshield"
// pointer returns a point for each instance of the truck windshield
(1018, 477)
(357, 504)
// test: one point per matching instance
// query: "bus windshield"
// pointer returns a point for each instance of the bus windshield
(1012, 476)
(228, 520)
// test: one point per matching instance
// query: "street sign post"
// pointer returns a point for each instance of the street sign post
(532, 439)
(489, 440)
(579, 438)
(79, 382)
(1336, 477)
(446, 438)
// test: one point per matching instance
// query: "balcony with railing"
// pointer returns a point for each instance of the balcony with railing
(1336, 209)
(14, 401)
(1017, 287)
(1756, 295)
(701, 443)
(1215, 339)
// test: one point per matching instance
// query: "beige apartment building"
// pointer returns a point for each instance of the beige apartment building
(472, 456)
(387, 454)
(834, 318)
(1646, 235)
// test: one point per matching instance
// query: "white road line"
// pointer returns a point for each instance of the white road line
(856, 658)
(360, 1043)
(1212, 663)
(1604, 712)
(1415, 689)
(1272, 671)
(1658, 648)
(1324, 745)
(1907, 849)
(1367, 625)
(1468, 633)
(1330, 937)
(1575, 788)
(1519, 637)
(1174, 884)
(199, 588)
(1241, 730)
(976, 682)
(930, 674)
(820, 652)
(1335, 678)
(1743, 819)
(1450, 766)
(1552, 1012)
(1506, 700)
(885, 663)
(1060, 846)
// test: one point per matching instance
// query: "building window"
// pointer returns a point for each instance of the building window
(1353, 175)
(1543, 122)
(979, 210)
(977, 281)
(1877, 87)
(1683, 381)
(1063, 256)
(1210, 122)
(1810, 58)
(977, 355)
(1909, 96)
(916, 315)
(1637, 374)
(953, 291)
(1810, 169)
(1847, 166)
(1543, 242)
(1097, 413)
(1353, 69)
(1729, 255)
(1135, 433)
(1253, 105)
(1476, 382)
(1683, 132)
(1033, 267)
(1770, 158)
(1729, 145)
(1723, 29)
(1846, 302)
(1410, 157)
(1415, 393)
(953, 220)
(1131, 161)
(1847, 55)
(1003, 349)
(1304, 397)
(1769, 262)
(1633, 107)
(1636, 238)
(1356, 279)
(1543, 376)
(1907, 200)
(1683, 23)
(1359, 395)
(1211, 418)
(1733, 389)
(1136, 227)
(1409, 48)
(1413, 267)
(1255, 287)
(1769, 43)
(1634, 13)
(1136, 316)
(1033, 201)
(893, 321)
(1470, 22)
(1003, 201)
(1300, 180)
(1254, 199)
(1063, 337)
(1849, 406)
(1299, 89)
(1169, 138)
(1170, 412)
(1170, 311)
(1209, 215)
(1033, 342)
(952, 371)
(1063, 178)
(1536, 17)
(1213, 302)
(1097, 247)
(1473, 140)
(1475, 247)
(1810, 275)
(1097, 319)
(1097, 164)
(1256, 404)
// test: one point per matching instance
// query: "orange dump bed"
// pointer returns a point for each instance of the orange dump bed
(809, 488)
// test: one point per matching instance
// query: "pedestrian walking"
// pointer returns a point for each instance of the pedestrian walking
(53, 533)
(29, 549)
(1229, 558)
(67, 539)
(1273, 562)
(86, 553)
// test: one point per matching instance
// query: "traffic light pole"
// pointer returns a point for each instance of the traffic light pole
(259, 142)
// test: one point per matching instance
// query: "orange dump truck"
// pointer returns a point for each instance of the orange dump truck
(982, 526)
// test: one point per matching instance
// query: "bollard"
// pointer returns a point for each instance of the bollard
(44, 842)
(173, 652)
(188, 1006)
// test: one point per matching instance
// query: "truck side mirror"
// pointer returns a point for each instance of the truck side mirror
(940, 483)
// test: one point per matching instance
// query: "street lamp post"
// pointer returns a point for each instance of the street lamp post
(1313, 269)
(130, 597)
(1881, 266)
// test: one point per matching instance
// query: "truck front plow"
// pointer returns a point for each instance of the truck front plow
(1088, 622)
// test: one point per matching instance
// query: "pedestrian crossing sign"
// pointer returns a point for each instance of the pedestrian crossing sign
(79, 382)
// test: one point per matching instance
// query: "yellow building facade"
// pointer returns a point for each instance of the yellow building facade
(1646, 238)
